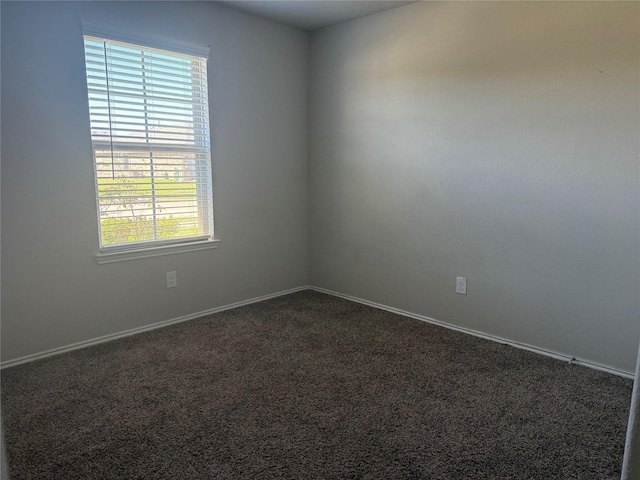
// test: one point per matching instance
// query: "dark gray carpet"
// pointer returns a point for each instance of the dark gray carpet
(309, 386)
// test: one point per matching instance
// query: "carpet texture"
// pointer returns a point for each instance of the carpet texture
(309, 386)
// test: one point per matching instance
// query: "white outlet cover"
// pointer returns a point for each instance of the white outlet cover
(172, 279)
(461, 285)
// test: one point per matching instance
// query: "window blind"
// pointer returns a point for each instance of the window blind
(150, 135)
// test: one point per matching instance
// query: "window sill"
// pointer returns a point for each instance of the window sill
(123, 256)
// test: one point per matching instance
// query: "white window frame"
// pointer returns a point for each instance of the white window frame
(151, 248)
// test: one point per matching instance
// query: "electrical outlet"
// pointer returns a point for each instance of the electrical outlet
(172, 280)
(461, 285)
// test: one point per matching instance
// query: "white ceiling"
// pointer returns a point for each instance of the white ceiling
(312, 14)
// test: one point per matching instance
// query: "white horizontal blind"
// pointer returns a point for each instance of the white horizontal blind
(150, 135)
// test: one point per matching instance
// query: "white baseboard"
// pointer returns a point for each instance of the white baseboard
(146, 328)
(475, 333)
(423, 318)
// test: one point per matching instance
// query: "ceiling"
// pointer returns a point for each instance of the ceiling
(312, 14)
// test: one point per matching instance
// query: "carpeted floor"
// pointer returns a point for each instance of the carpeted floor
(309, 386)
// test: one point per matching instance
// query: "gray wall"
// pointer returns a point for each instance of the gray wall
(497, 141)
(53, 292)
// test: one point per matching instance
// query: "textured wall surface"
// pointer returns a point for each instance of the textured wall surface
(492, 140)
(53, 292)
(497, 141)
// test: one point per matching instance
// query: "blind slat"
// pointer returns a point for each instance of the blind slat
(146, 147)
(155, 123)
(99, 34)
(125, 92)
(98, 58)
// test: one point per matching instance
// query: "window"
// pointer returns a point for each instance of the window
(150, 136)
